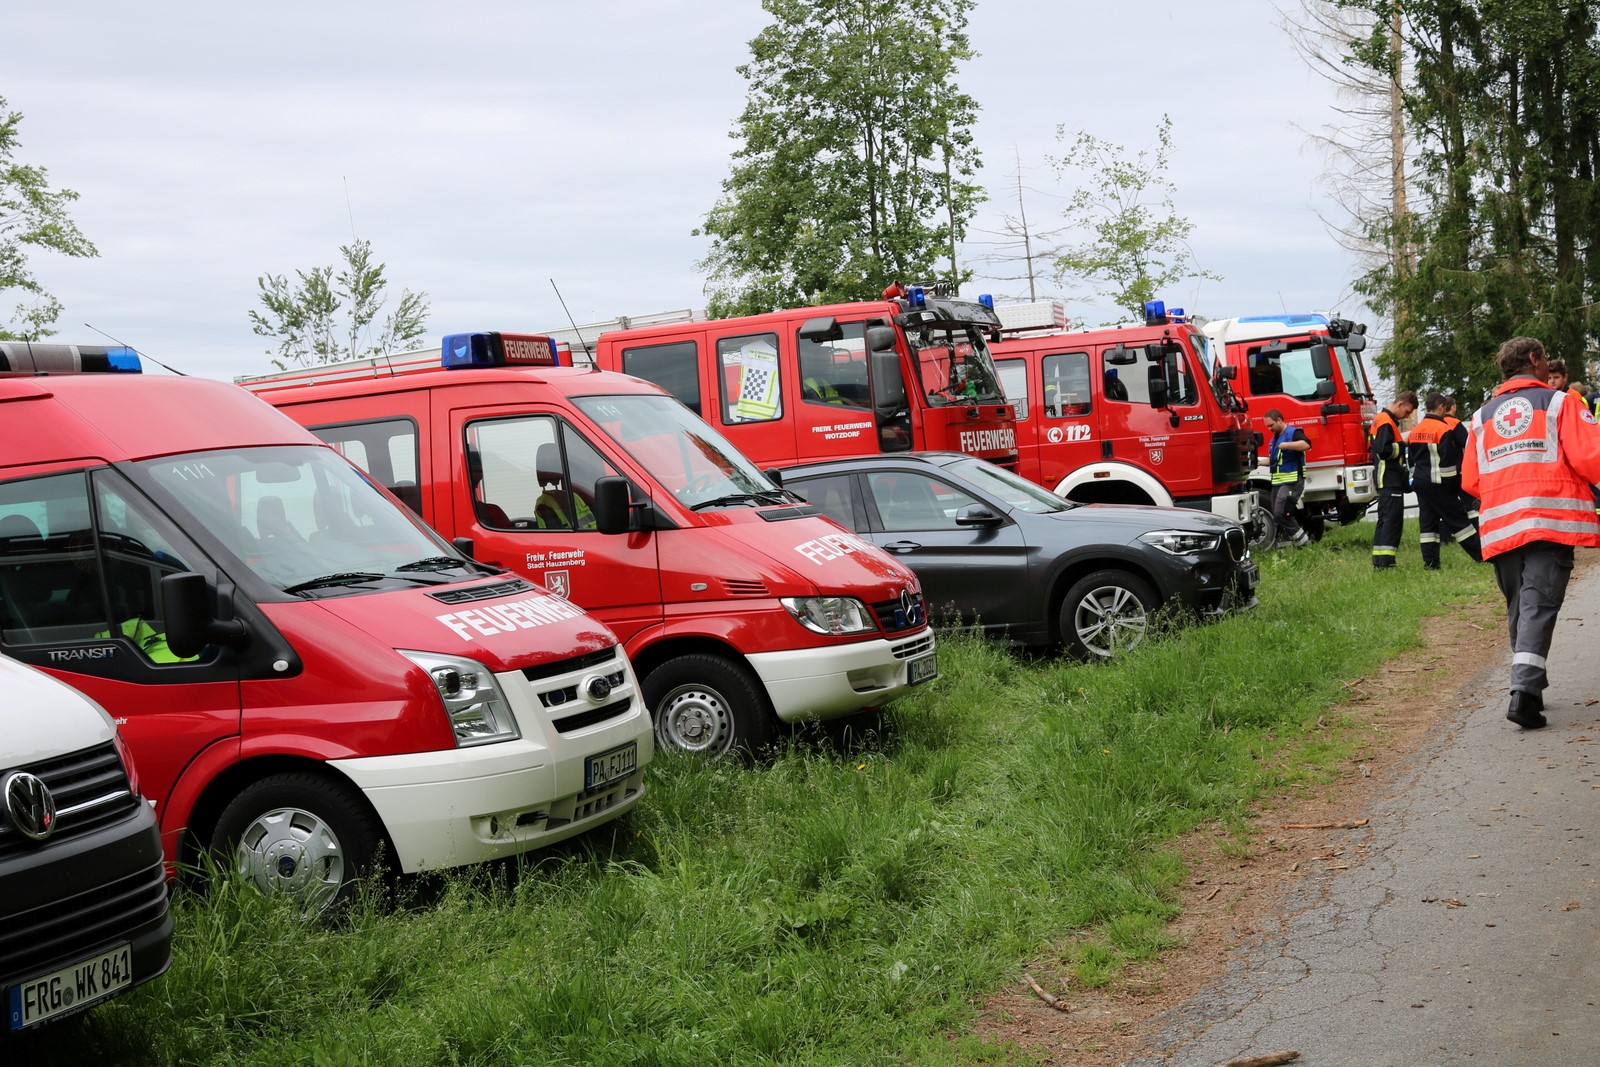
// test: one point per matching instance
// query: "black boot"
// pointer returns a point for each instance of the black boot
(1526, 710)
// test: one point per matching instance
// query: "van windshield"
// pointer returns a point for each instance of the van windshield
(689, 458)
(302, 518)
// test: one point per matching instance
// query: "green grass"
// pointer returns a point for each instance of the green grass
(850, 902)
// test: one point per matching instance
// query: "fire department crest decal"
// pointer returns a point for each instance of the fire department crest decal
(1514, 417)
(1157, 455)
(558, 582)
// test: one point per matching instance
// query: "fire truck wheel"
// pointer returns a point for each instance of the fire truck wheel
(1263, 529)
(708, 705)
(1106, 613)
(302, 835)
(1314, 526)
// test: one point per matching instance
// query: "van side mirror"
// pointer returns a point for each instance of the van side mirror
(1228, 373)
(1321, 361)
(888, 384)
(775, 476)
(612, 501)
(463, 545)
(1325, 389)
(189, 613)
(880, 338)
(1356, 342)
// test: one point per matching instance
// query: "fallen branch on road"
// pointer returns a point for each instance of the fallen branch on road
(1348, 824)
(1048, 998)
(1271, 1059)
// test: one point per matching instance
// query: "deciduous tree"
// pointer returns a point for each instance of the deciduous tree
(33, 217)
(856, 163)
(305, 321)
(1138, 244)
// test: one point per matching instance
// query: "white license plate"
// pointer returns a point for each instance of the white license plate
(924, 668)
(69, 989)
(612, 766)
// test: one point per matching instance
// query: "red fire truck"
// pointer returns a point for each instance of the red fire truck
(1309, 367)
(910, 371)
(739, 604)
(1125, 415)
(304, 672)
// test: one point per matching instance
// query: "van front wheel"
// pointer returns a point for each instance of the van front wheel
(708, 705)
(301, 835)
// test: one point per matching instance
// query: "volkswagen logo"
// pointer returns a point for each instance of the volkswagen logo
(910, 608)
(32, 808)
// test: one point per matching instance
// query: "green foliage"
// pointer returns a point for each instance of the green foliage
(304, 318)
(856, 163)
(848, 902)
(32, 217)
(1502, 101)
(1137, 250)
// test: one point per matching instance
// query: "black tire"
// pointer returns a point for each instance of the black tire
(1263, 529)
(1106, 613)
(709, 706)
(300, 834)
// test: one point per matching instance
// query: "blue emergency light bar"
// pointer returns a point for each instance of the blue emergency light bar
(1155, 312)
(1288, 320)
(34, 357)
(917, 297)
(460, 351)
(987, 301)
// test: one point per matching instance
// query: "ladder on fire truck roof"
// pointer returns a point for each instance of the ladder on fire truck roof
(1032, 315)
(580, 341)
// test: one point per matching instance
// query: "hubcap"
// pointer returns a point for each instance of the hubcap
(1110, 620)
(293, 852)
(695, 719)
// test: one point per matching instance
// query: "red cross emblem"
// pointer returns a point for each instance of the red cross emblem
(1514, 417)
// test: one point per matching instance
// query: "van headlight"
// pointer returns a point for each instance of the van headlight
(831, 615)
(473, 700)
(1180, 542)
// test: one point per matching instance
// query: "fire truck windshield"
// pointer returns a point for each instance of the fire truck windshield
(954, 362)
(301, 518)
(1355, 373)
(680, 451)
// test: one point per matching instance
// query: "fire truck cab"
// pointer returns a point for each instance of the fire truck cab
(1125, 415)
(1309, 367)
(739, 604)
(308, 678)
(910, 371)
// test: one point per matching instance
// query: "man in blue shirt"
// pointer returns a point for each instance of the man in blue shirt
(1287, 461)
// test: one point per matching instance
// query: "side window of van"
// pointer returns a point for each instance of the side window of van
(63, 578)
(747, 369)
(835, 372)
(1014, 380)
(385, 449)
(1067, 389)
(536, 474)
(675, 367)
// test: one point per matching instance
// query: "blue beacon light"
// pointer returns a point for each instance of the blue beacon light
(987, 301)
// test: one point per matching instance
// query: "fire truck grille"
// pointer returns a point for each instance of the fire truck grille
(90, 790)
(481, 592)
(892, 616)
(1238, 544)
(564, 666)
(592, 716)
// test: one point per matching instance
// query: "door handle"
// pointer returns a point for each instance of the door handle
(902, 546)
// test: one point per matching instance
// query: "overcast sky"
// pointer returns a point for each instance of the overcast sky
(485, 148)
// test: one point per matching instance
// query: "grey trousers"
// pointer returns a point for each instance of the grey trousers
(1533, 578)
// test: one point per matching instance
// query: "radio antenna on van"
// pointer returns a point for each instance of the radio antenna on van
(142, 355)
(575, 331)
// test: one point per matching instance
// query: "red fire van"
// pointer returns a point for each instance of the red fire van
(739, 604)
(303, 671)
(910, 371)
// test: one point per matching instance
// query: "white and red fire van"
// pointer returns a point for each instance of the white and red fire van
(304, 672)
(740, 605)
